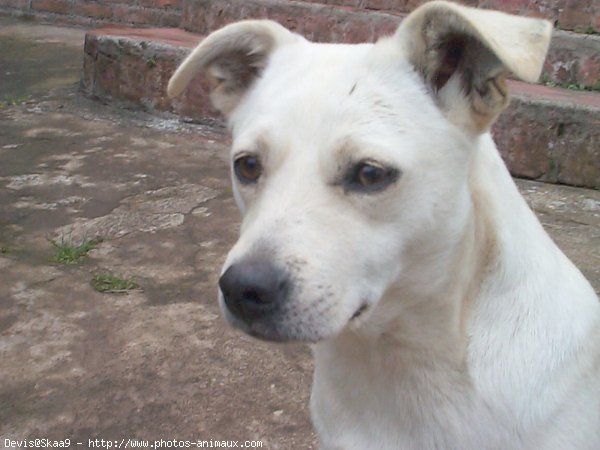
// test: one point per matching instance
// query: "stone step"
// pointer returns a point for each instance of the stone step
(546, 134)
(316, 21)
(581, 15)
(573, 59)
(166, 13)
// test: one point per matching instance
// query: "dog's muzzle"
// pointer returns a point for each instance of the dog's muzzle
(254, 290)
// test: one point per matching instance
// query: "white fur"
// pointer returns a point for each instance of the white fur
(479, 332)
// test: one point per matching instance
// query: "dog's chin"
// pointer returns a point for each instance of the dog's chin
(279, 331)
(275, 332)
(270, 333)
(282, 329)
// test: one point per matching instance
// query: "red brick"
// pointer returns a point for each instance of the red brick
(123, 64)
(551, 135)
(317, 22)
(17, 4)
(53, 6)
(132, 14)
(580, 15)
(573, 59)
(146, 16)
(170, 18)
(570, 14)
(556, 144)
(385, 5)
(160, 3)
(94, 10)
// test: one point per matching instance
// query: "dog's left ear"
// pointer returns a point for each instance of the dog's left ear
(231, 58)
(465, 54)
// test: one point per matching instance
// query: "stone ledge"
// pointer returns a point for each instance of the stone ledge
(546, 133)
(552, 135)
(573, 59)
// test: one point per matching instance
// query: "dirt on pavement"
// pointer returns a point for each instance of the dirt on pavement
(156, 362)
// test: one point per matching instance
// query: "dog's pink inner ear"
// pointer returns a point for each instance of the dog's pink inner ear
(480, 78)
(231, 74)
(235, 70)
(451, 52)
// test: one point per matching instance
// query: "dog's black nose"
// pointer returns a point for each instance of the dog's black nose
(252, 289)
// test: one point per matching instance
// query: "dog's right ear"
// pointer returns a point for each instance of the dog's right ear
(232, 58)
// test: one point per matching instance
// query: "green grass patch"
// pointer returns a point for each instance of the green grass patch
(151, 61)
(582, 87)
(68, 253)
(13, 101)
(108, 283)
(545, 80)
(587, 30)
(578, 29)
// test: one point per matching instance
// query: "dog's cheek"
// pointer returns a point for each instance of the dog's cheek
(363, 274)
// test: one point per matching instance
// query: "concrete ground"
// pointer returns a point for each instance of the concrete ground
(157, 362)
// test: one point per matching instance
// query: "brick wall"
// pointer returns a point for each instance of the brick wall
(577, 15)
(140, 12)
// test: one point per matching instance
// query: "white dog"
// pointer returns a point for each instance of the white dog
(380, 224)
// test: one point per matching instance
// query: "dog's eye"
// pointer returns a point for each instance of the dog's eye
(368, 176)
(247, 168)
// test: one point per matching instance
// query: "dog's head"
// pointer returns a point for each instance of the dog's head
(350, 162)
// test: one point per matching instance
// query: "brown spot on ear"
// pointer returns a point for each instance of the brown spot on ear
(236, 70)
(232, 74)
(450, 52)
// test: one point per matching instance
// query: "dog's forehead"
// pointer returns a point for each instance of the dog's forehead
(308, 67)
(322, 96)
(315, 84)
(301, 76)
